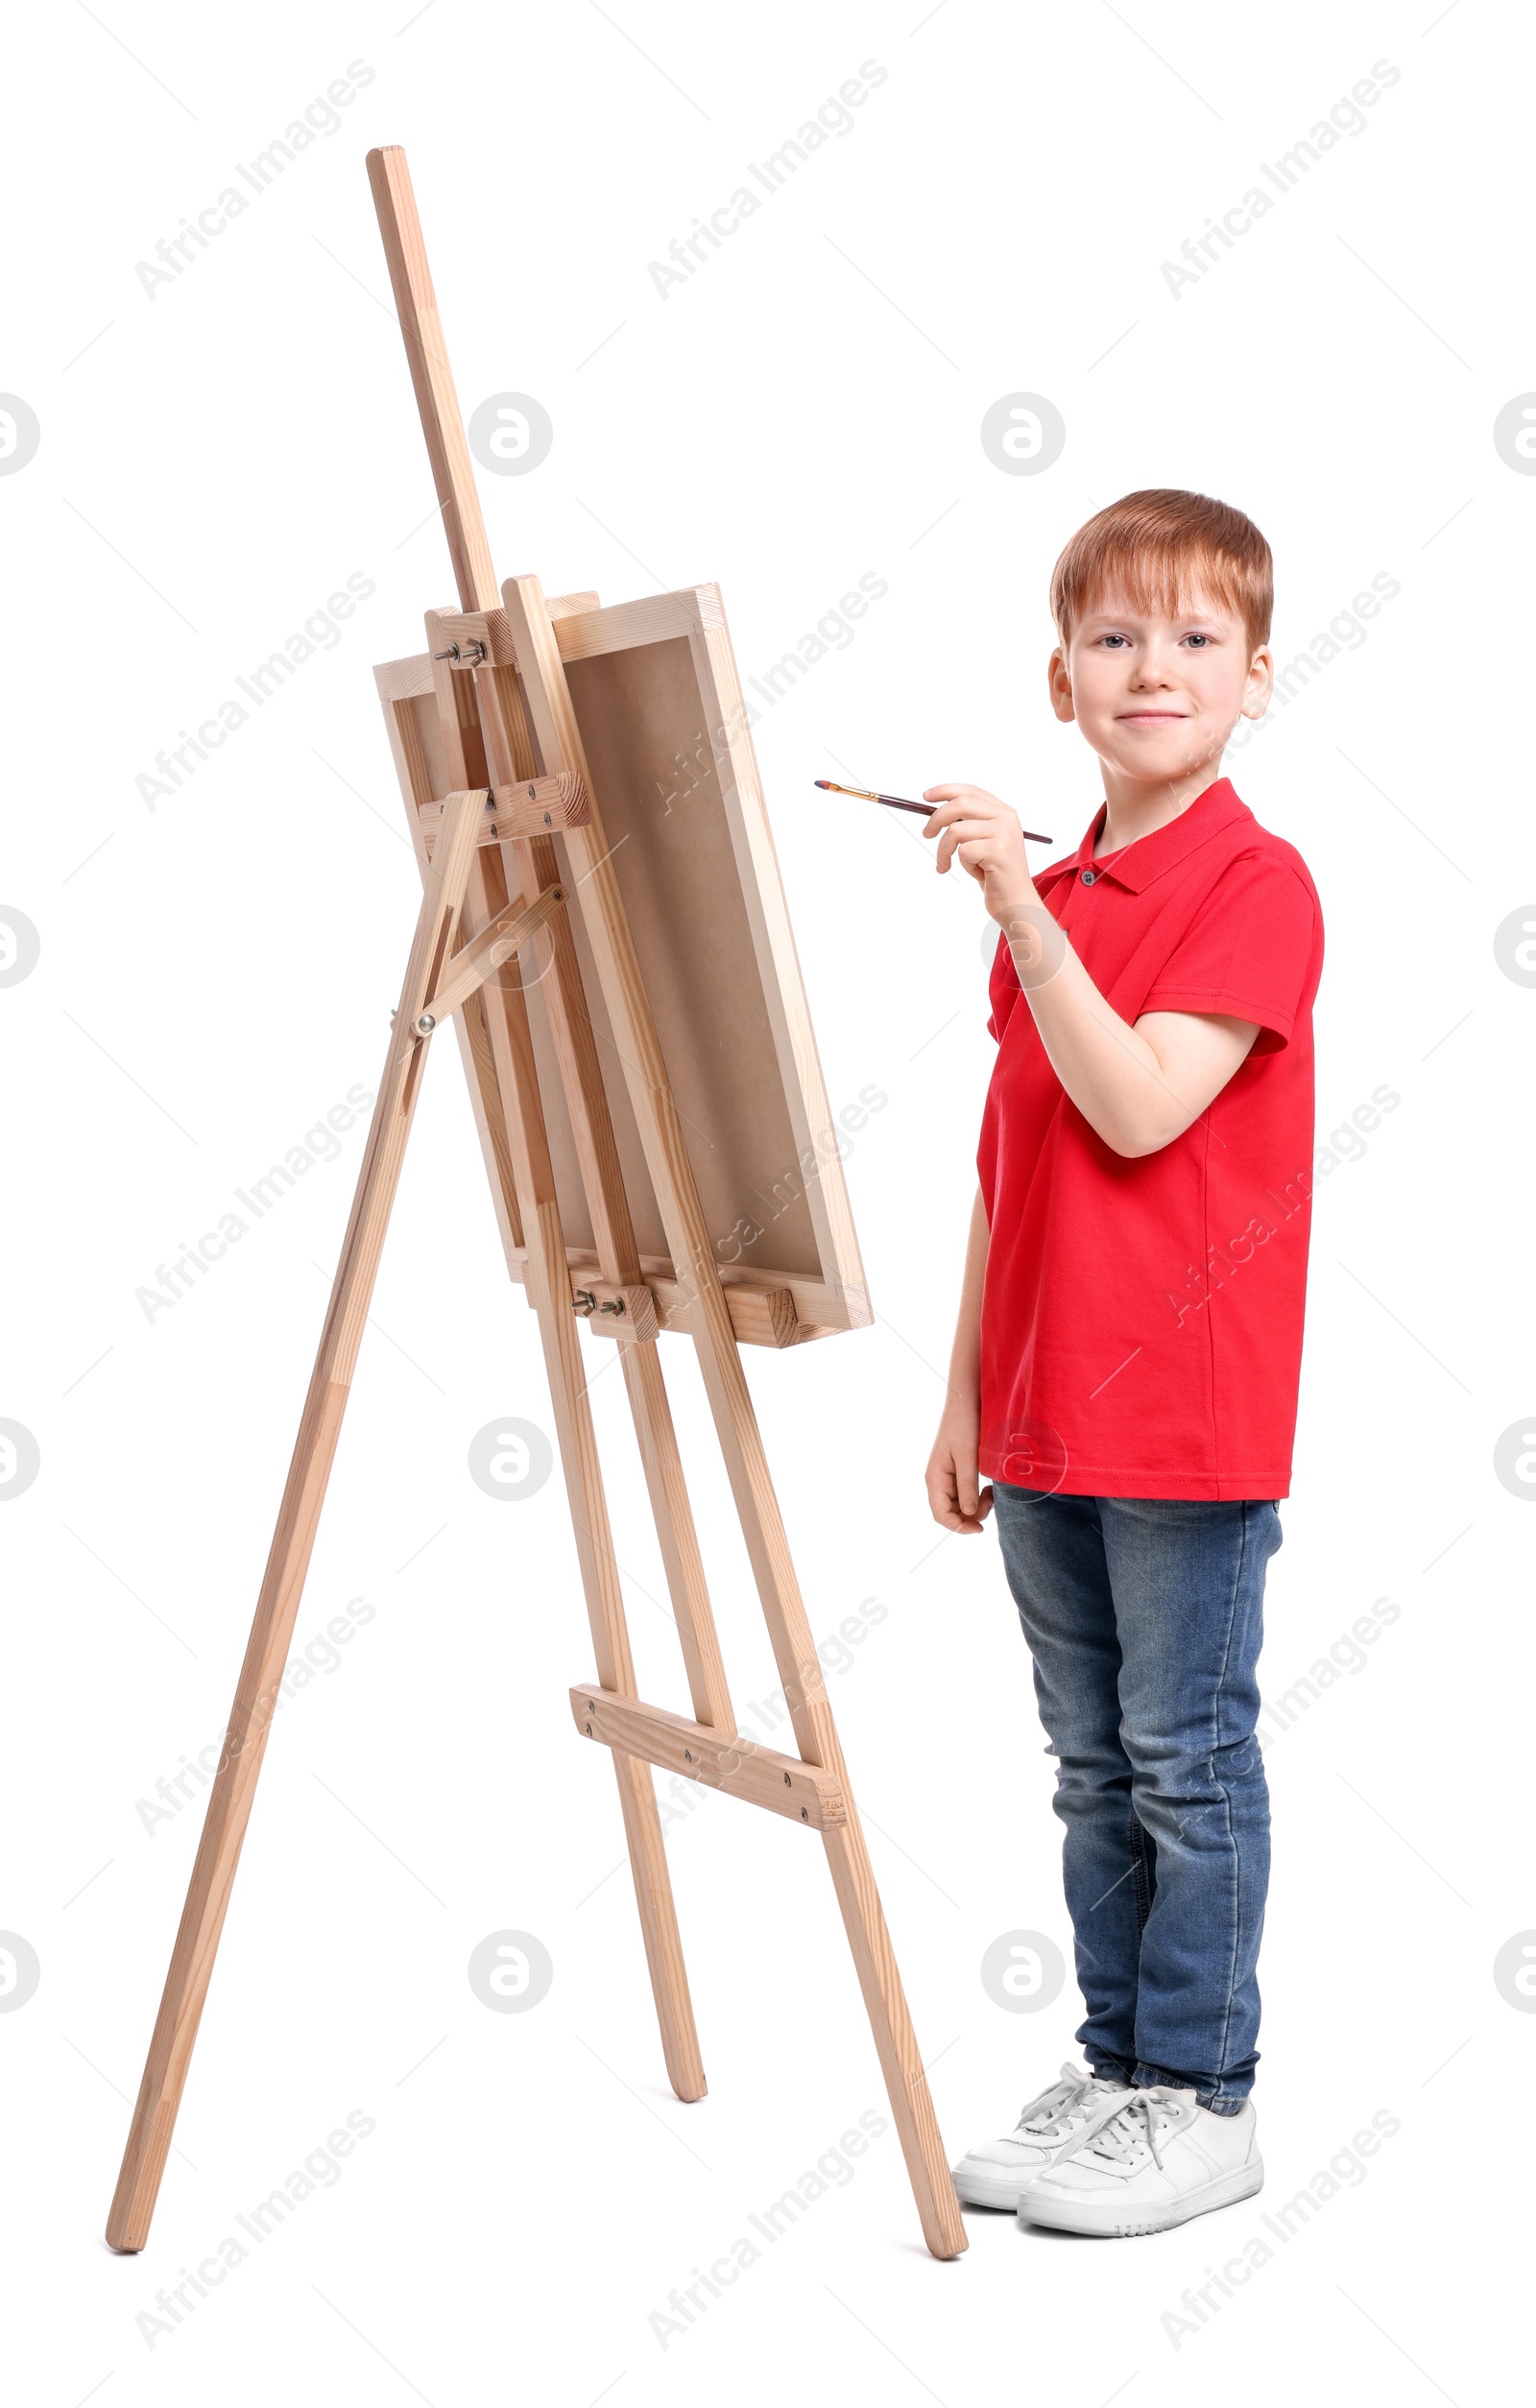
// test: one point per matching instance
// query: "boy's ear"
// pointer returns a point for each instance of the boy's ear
(1260, 686)
(1060, 686)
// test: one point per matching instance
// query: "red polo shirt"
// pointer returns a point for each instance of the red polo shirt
(1141, 1321)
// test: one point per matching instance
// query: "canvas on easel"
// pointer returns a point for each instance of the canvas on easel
(659, 706)
(603, 921)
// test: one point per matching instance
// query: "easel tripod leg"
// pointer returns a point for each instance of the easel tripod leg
(233, 1791)
(659, 1924)
(895, 2042)
(549, 1281)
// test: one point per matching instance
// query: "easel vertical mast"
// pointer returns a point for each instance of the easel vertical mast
(504, 716)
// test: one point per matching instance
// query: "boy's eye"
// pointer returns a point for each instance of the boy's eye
(1114, 639)
(1194, 637)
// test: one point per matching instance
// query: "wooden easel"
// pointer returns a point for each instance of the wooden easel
(518, 772)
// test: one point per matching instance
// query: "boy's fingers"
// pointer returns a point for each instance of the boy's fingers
(958, 793)
(969, 850)
(971, 811)
(942, 814)
(949, 1508)
(965, 830)
(953, 833)
(953, 1498)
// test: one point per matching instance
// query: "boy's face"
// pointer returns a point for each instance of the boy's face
(1157, 698)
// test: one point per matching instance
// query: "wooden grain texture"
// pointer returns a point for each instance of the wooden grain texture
(407, 681)
(763, 1316)
(549, 1285)
(760, 1315)
(676, 1536)
(906, 2085)
(723, 721)
(235, 1783)
(466, 632)
(658, 1926)
(611, 1309)
(740, 1052)
(569, 1015)
(592, 874)
(403, 728)
(415, 305)
(495, 690)
(742, 1767)
(583, 635)
(468, 743)
(506, 933)
(783, 989)
(535, 806)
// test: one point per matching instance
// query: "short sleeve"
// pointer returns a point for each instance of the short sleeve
(1003, 989)
(1252, 952)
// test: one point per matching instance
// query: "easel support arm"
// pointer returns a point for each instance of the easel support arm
(512, 928)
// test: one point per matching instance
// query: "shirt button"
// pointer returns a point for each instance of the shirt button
(1089, 877)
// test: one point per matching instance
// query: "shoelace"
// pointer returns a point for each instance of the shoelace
(1057, 2110)
(1137, 2121)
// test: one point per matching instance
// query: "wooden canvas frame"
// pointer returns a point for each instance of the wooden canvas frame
(660, 708)
(495, 776)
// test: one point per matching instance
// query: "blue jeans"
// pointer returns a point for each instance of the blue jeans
(1144, 1616)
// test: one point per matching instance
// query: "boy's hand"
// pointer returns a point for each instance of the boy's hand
(984, 836)
(956, 1495)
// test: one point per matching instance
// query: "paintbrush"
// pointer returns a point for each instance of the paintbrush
(898, 802)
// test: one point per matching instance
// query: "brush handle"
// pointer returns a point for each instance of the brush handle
(898, 802)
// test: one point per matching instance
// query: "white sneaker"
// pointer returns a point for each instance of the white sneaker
(1158, 2160)
(1070, 2110)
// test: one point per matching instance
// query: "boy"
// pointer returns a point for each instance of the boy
(1126, 1357)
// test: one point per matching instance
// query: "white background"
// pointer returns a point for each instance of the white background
(216, 972)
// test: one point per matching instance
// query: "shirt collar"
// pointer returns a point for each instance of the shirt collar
(1136, 866)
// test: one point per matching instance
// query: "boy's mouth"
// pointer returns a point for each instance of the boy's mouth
(1152, 718)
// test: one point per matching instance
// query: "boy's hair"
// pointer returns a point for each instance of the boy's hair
(1156, 548)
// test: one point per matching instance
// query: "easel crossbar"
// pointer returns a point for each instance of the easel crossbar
(785, 1784)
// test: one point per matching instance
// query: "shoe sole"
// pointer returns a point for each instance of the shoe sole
(975, 2189)
(1102, 2221)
